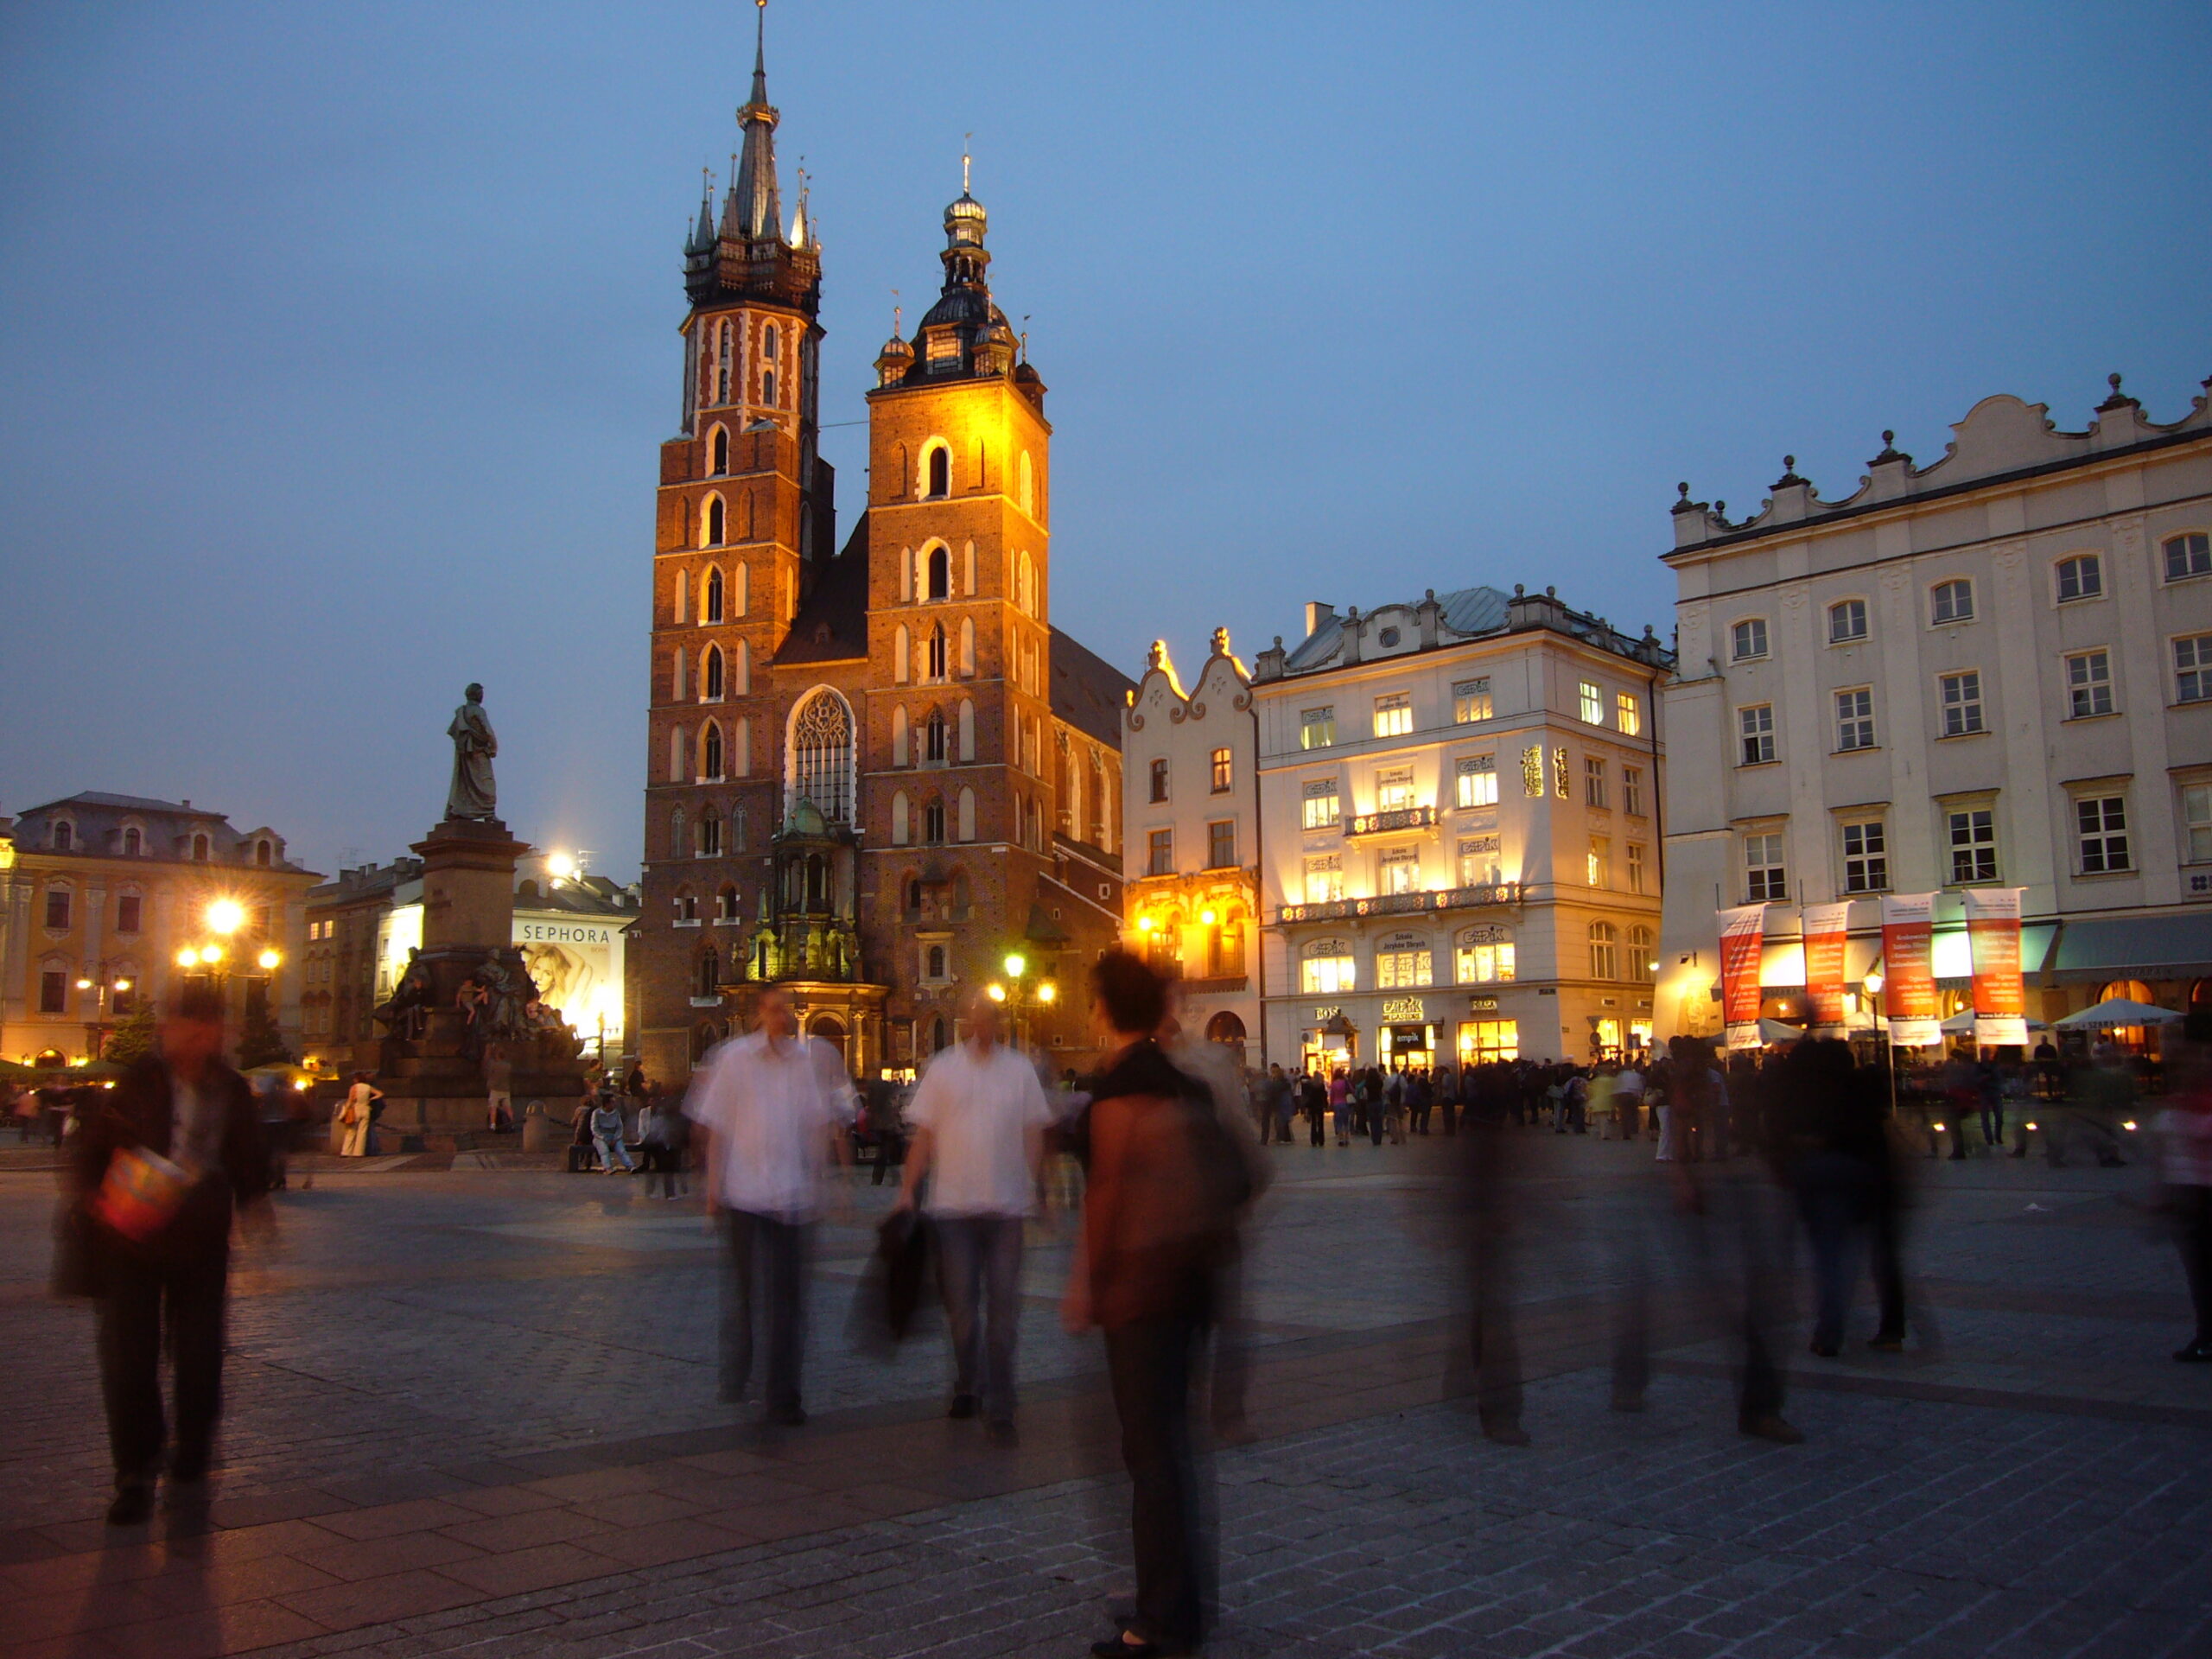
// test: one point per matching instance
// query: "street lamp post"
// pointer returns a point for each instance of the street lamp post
(101, 983)
(1018, 995)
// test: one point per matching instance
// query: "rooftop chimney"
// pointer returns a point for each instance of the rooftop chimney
(1316, 614)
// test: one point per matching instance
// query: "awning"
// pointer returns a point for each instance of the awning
(2134, 947)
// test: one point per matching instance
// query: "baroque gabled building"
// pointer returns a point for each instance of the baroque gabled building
(874, 774)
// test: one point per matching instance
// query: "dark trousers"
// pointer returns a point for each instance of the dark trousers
(1374, 1122)
(1317, 1127)
(1150, 1365)
(140, 1301)
(1832, 1192)
(1992, 1123)
(1451, 1118)
(2192, 1212)
(1886, 1230)
(890, 1153)
(979, 1268)
(767, 1270)
(1420, 1115)
(1631, 1108)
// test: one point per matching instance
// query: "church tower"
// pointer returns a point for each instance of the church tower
(959, 708)
(745, 521)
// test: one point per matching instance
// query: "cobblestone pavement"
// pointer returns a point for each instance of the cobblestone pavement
(471, 1410)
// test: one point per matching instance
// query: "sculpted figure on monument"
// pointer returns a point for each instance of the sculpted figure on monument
(472, 794)
(401, 1014)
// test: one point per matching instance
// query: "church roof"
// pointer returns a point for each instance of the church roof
(1088, 692)
(831, 625)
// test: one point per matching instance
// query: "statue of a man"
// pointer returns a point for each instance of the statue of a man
(472, 794)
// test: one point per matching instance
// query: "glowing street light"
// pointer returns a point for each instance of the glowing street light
(268, 959)
(187, 957)
(1014, 964)
(226, 916)
(560, 865)
(1048, 993)
(996, 992)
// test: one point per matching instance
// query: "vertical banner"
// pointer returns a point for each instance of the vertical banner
(1908, 969)
(1743, 937)
(1827, 927)
(1993, 935)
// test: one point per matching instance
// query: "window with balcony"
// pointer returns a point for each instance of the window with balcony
(1755, 735)
(1320, 808)
(1160, 853)
(1764, 876)
(2187, 555)
(1400, 867)
(1220, 844)
(1961, 699)
(1221, 769)
(1593, 781)
(1475, 781)
(1317, 728)
(1591, 703)
(1950, 602)
(1628, 714)
(1847, 621)
(1479, 862)
(1394, 789)
(1471, 700)
(1867, 856)
(2081, 576)
(1324, 878)
(1394, 714)
(1973, 835)
(2088, 684)
(2193, 668)
(1854, 719)
(2101, 834)
(1747, 640)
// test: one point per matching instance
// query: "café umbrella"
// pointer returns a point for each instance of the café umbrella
(2118, 1011)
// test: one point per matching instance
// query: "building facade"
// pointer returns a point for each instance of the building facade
(1190, 821)
(1995, 670)
(571, 928)
(1458, 802)
(875, 776)
(100, 897)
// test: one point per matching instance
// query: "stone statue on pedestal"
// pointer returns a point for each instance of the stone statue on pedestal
(472, 794)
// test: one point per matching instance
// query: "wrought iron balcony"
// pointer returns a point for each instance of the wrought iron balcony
(1405, 904)
(1398, 818)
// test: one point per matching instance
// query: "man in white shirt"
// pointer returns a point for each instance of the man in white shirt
(979, 1117)
(772, 1106)
(1628, 1102)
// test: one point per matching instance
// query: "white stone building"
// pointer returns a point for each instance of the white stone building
(1996, 669)
(1190, 818)
(1459, 848)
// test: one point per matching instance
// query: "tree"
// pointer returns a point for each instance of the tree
(133, 1040)
(259, 1043)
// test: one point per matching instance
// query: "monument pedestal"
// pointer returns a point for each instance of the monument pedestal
(432, 1068)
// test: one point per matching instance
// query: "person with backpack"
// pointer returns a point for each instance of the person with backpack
(1167, 1186)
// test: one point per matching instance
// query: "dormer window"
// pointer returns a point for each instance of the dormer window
(200, 849)
(264, 852)
(134, 842)
(64, 836)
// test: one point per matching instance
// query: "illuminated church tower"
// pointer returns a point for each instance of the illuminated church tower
(872, 777)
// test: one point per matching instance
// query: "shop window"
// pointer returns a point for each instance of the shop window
(1325, 874)
(1484, 1042)
(1327, 968)
(1475, 781)
(1394, 714)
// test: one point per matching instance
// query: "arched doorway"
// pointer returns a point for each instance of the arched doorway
(1228, 1030)
(51, 1059)
(831, 1030)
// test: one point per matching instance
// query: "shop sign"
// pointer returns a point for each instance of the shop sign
(1482, 1005)
(1322, 1015)
(1404, 1011)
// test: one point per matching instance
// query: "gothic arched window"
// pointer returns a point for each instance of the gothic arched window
(821, 755)
(722, 366)
(720, 451)
(710, 753)
(710, 971)
(933, 824)
(936, 664)
(934, 750)
(710, 834)
(710, 676)
(714, 521)
(710, 605)
(940, 573)
(940, 479)
(726, 905)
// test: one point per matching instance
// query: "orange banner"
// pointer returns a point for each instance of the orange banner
(1999, 996)
(1908, 969)
(1826, 928)
(1743, 937)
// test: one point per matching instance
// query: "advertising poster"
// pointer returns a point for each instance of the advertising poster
(1999, 999)
(1827, 927)
(1908, 969)
(1743, 935)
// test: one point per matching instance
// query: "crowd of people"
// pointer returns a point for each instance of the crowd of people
(1164, 1152)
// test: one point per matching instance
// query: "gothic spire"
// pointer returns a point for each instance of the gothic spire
(754, 203)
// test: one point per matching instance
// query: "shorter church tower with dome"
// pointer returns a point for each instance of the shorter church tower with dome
(878, 776)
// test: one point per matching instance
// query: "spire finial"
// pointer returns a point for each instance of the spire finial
(968, 142)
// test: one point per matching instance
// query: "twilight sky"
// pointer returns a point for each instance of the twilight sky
(336, 340)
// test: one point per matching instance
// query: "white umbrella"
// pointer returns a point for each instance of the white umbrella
(1961, 1023)
(2120, 1010)
(1775, 1030)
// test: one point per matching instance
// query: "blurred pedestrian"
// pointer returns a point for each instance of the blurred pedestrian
(2184, 1138)
(159, 1169)
(662, 1133)
(608, 1135)
(772, 1107)
(1628, 1102)
(1490, 1195)
(1165, 1186)
(1340, 1103)
(979, 1116)
(1314, 1097)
